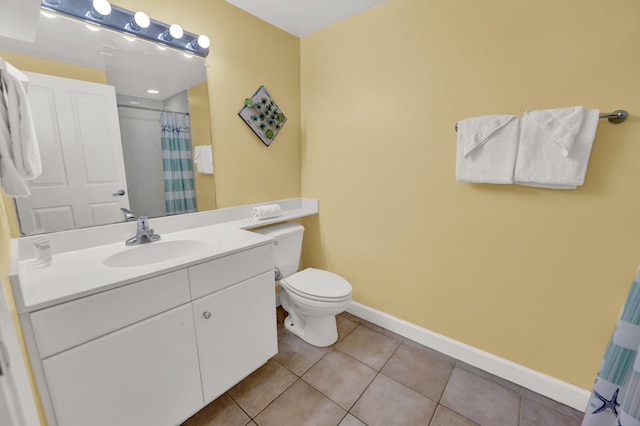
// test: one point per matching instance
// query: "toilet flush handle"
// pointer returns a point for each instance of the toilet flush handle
(278, 274)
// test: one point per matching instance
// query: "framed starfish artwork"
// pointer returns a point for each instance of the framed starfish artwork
(263, 115)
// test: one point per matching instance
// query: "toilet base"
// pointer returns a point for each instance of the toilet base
(319, 332)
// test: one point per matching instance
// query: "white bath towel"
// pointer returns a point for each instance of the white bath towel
(555, 146)
(203, 157)
(266, 212)
(19, 151)
(487, 148)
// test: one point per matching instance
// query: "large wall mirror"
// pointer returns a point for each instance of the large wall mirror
(157, 92)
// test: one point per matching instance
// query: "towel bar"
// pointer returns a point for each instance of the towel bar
(615, 117)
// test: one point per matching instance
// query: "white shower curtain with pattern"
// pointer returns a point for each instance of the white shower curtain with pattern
(615, 399)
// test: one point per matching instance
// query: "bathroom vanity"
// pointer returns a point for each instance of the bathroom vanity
(149, 334)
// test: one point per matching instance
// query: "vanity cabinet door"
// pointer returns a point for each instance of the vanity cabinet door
(236, 333)
(144, 374)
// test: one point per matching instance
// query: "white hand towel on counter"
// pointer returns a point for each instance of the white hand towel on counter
(487, 148)
(19, 151)
(266, 212)
(203, 157)
(555, 146)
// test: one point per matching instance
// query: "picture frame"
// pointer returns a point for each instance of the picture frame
(263, 116)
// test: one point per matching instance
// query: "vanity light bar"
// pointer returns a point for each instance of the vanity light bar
(120, 19)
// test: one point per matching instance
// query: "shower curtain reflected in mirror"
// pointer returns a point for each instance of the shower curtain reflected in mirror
(177, 163)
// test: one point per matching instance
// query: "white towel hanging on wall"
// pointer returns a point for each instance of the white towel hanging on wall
(486, 149)
(19, 151)
(203, 157)
(555, 146)
(19, 75)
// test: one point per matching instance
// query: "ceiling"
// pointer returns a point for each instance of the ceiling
(302, 17)
(19, 19)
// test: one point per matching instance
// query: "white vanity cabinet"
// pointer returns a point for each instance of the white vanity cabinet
(144, 374)
(234, 338)
(155, 351)
(235, 317)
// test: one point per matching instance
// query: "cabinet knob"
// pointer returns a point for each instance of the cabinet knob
(206, 315)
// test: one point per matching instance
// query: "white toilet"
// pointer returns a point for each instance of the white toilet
(312, 297)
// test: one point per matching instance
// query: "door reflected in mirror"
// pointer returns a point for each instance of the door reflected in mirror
(156, 182)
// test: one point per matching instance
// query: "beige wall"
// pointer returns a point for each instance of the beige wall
(535, 276)
(201, 135)
(60, 69)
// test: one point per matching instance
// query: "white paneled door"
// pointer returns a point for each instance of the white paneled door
(83, 180)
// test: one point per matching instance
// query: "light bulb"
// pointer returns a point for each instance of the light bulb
(102, 7)
(141, 20)
(203, 41)
(175, 31)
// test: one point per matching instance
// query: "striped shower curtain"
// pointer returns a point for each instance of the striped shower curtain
(615, 399)
(179, 186)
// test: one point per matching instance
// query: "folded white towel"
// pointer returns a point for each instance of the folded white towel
(555, 146)
(203, 157)
(487, 148)
(19, 151)
(266, 212)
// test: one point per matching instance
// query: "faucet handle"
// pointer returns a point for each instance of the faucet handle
(143, 222)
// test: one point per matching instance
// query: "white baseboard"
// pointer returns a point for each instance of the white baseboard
(540, 383)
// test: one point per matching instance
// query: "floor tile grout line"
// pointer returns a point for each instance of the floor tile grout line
(274, 399)
(361, 395)
(391, 356)
(238, 405)
(520, 410)
(446, 384)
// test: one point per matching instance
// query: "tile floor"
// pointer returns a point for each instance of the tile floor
(372, 376)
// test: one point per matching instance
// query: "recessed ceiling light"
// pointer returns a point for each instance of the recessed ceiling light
(152, 91)
(92, 27)
(161, 47)
(129, 38)
(186, 55)
(134, 102)
(47, 14)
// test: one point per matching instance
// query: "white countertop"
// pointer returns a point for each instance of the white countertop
(77, 273)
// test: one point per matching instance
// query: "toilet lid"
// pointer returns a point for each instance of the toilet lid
(316, 283)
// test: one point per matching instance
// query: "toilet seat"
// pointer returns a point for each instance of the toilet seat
(316, 284)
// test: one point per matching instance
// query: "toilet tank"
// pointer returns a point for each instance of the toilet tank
(286, 251)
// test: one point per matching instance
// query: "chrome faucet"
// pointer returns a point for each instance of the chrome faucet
(128, 216)
(144, 234)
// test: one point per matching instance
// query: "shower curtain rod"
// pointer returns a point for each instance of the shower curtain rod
(615, 117)
(150, 109)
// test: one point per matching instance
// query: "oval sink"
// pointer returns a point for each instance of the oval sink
(149, 253)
